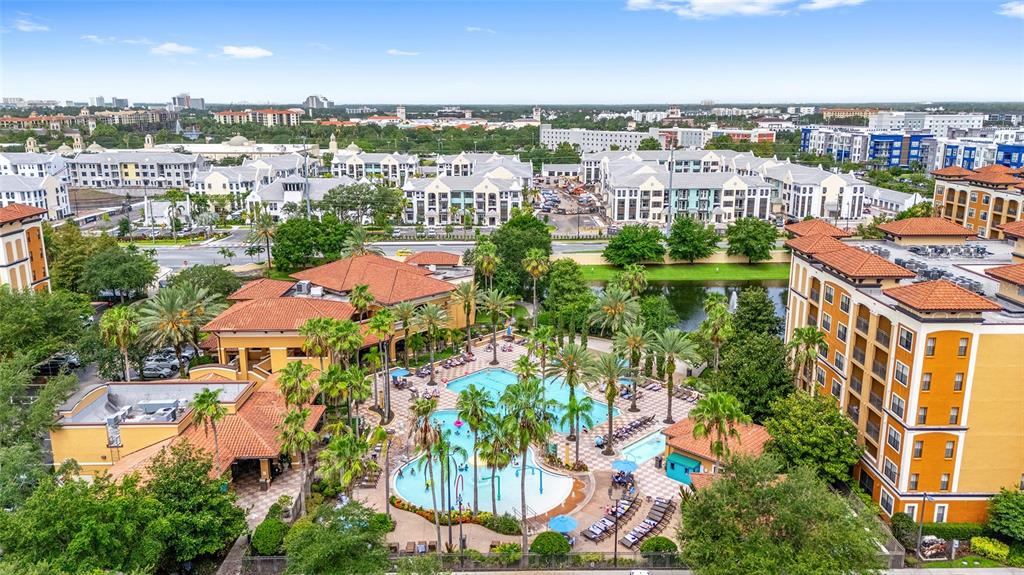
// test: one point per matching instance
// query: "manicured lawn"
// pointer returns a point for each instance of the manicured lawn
(697, 272)
(967, 561)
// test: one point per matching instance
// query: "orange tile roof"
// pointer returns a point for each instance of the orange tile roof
(17, 212)
(995, 179)
(751, 441)
(701, 480)
(857, 263)
(911, 227)
(953, 172)
(940, 295)
(1015, 229)
(389, 281)
(433, 258)
(995, 169)
(1013, 273)
(815, 244)
(260, 289)
(277, 314)
(813, 227)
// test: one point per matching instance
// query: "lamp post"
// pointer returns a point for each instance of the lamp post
(920, 524)
(462, 540)
(615, 513)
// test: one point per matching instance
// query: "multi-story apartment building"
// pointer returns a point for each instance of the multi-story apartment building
(937, 124)
(273, 197)
(889, 203)
(237, 146)
(973, 152)
(851, 144)
(23, 263)
(494, 165)
(393, 169)
(806, 191)
(134, 169)
(590, 140)
(48, 192)
(442, 200)
(593, 166)
(922, 339)
(829, 114)
(982, 200)
(138, 117)
(235, 181)
(34, 120)
(318, 102)
(268, 117)
(273, 167)
(33, 165)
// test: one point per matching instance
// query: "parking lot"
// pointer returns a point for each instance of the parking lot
(568, 213)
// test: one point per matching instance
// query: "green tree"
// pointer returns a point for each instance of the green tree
(752, 238)
(717, 415)
(1006, 514)
(614, 308)
(358, 244)
(495, 307)
(755, 369)
(295, 244)
(812, 432)
(512, 241)
(755, 312)
(331, 541)
(361, 299)
(474, 405)
(404, 313)
(717, 327)
(431, 318)
(124, 228)
(294, 436)
(753, 520)
(227, 253)
(649, 144)
(635, 244)
(495, 451)
(120, 328)
(37, 324)
(295, 383)
(657, 313)
(208, 412)
(537, 265)
(609, 369)
(68, 251)
(804, 345)
(422, 436)
(633, 279)
(671, 345)
(120, 272)
(550, 543)
(465, 295)
(263, 231)
(631, 341)
(691, 240)
(218, 281)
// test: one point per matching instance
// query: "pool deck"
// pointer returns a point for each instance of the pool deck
(589, 496)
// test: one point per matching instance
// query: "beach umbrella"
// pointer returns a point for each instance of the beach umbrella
(624, 465)
(562, 524)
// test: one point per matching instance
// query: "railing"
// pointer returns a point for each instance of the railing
(812, 321)
(878, 368)
(814, 294)
(882, 337)
(875, 400)
(862, 325)
(856, 384)
(872, 431)
(858, 354)
(854, 412)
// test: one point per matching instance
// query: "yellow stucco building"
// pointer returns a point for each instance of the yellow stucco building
(23, 263)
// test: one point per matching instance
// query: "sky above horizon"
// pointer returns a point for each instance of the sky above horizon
(516, 52)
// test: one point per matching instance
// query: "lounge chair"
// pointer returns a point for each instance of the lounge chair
(410, 548)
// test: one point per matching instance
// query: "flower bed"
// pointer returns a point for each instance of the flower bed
(503, 524)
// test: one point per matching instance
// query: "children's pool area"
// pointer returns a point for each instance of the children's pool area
(494, 381)
(544, 490)
(645, 449)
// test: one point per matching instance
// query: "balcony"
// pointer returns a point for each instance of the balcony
(862, 325)
(854, 412)
(872, 431)
(878, 368)
(856, 384)
(882, 337)
(875, 400)
(815, 295)
(858, 355)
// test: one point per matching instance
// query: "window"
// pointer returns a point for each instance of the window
(826, 322)
(940, 513)
(944, 482)
(889, 470)
(902, 372)
(958, 382)
(821, 376)
(906, 339)
(841, 332)
(954, 415)
(929, 346)
(830, 294)
(894, 438)
(918, 448)
(844, 303)
(914, 478)
(837, 388)
(922, 415)
(886, 502)
(961, 350)
(949, 449)
(926, 381)
(840, 361)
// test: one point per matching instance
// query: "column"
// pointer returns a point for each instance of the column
(264, 474)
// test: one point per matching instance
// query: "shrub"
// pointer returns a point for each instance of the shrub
(269, 536)
(504, 524)
(1006, 514)
(904, 529)
(991, 548)
(275, 511)
(382, 523)
(550, 543)
(508, 553)
(658, 544)
(961, 531)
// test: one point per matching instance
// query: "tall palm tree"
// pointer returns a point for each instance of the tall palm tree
(524, 367)
(165, 320)
(358, 244)
(613, 309)
(345, 457)
(575, 365)
(120, 326)
(345, 340)
(631, 341)
(474, 405)
(201, 306)
(495, 450)
(361, 299)
(465, 296)
(496, 306)
(717, 415)
(382, 325)
(208, 412)
(331, 384)
(672, 345)
(717, 325)
(294, 436)
(632, 279)
(295, 384)
(609, 369)
(445, 450)
(404, 313)
(317, 334)
(578, 411)
(541, 343)
(357, 390)
(527, 422)
(423, 435)
(431, 318)
(805, 344)
(263, 230)
(537, 265)
(486, 260)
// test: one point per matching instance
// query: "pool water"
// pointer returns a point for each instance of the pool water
(645, 449)
(494, 381)
(544, 490)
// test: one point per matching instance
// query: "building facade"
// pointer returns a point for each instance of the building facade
(443, 200)
(269, 117)
(48, 192)
(390, 168)
(134, 169)
(982, 200)
(23, 264)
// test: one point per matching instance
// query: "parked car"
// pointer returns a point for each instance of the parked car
(59, 362)
(150, 371)
(169, 363)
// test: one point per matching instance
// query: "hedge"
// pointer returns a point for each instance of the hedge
(961, 531)
(550, 543)
(658, 544)
(269, 536)
(991, 548)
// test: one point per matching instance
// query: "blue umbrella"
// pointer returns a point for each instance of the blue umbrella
(562, 524)
(624, 465)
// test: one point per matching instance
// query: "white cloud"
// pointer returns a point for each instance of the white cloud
(137, 41)
(475, 29)
(703, 9)
(394, 52)
(1012, 9)
(246, 52)
(171, 49)
(98, 39)
(26, 25)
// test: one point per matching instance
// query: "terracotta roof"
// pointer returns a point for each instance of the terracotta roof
(17, 212)
(260, 289)
(389, 281)
(433, 258)
(1013, 273)
(857, 263)
(924, 227)
(751, 441)
(277, 314)
(210, 342)
(995, 169)
(814, 227)
(1015, 229)
(994, 178)
(940, 295)
(701, 480)
(815, 244)
(953, 172)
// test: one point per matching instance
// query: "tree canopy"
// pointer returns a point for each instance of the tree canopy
(521, 233)
(691, 240)
(295, 244)
(361, 202)
(753, 238)
(635, 244)
(755, 312)
(218, 281)
(649, 144)
(349, 539)
(68, 253)
(123, 273)
(755, 369)
(811, 431)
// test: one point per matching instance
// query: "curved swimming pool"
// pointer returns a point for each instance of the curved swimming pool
(544, 490)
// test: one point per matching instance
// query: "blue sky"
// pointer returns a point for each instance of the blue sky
(620, 51)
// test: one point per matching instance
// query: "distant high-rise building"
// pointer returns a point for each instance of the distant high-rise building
(184, 101)
(538, 113)
(360, 110)
(318, 103)
(400, 112)
(98, 101)
(119, 102)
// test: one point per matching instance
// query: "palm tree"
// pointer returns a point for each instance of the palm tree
(524, 367)
(445, 450)
(632, 340)
(495, 450)
(486, 260)
(614, 308)
(423, 435)
(465, 295)
(358, 244)
(382, 325)
(120, 326)
(345, 456)
(474, 405)
(578, 411)
(317, 334)
(404, 313)
(331, 384)
(226, 253)
(201, 306)
(345, 340)
(671, 345)
(805, 344)
(253, 250)
(717, 415)
(208, 411)
(527, 422)
(262, 232)
(717, 325)
(632, 279)
(295, 384)
(496, 306)
(294, 436)
(165, 320)
(609, 369)
(361, 299)
(574, 364)
(537, 265)
(431, 318)
(357, 390)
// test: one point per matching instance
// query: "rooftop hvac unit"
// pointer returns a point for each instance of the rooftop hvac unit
(302, 287)
(316, 291)
(165, 414)
(151, 406)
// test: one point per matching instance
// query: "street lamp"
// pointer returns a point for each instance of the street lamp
(920, 524)
(615, 513)
(462, 539)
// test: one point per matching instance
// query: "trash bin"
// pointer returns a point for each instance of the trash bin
(657, 462)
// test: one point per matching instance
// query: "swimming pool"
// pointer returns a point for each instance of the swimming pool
(494, 380)
(544, 490)
(645, 449)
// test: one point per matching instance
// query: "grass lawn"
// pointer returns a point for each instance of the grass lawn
(161, 242)
(697, 272)
(966, 561)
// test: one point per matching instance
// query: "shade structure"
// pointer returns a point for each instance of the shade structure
(562, 524)
(624, 465)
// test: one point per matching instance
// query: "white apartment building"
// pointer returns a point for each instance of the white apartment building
(33, 165)
(594, 166)
(937, 124)
(807, 191)
(240, 146)
(131, 169)
(235, 181)
(393, 168)
(443, 200)
(888, 203)
(274, 167)
(47, 192)
(494, 165)
(590, 140)
(843, 144)
(274, 196)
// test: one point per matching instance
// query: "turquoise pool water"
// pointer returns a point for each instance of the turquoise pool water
(645, 449)
(544, 490)
(494, 380)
